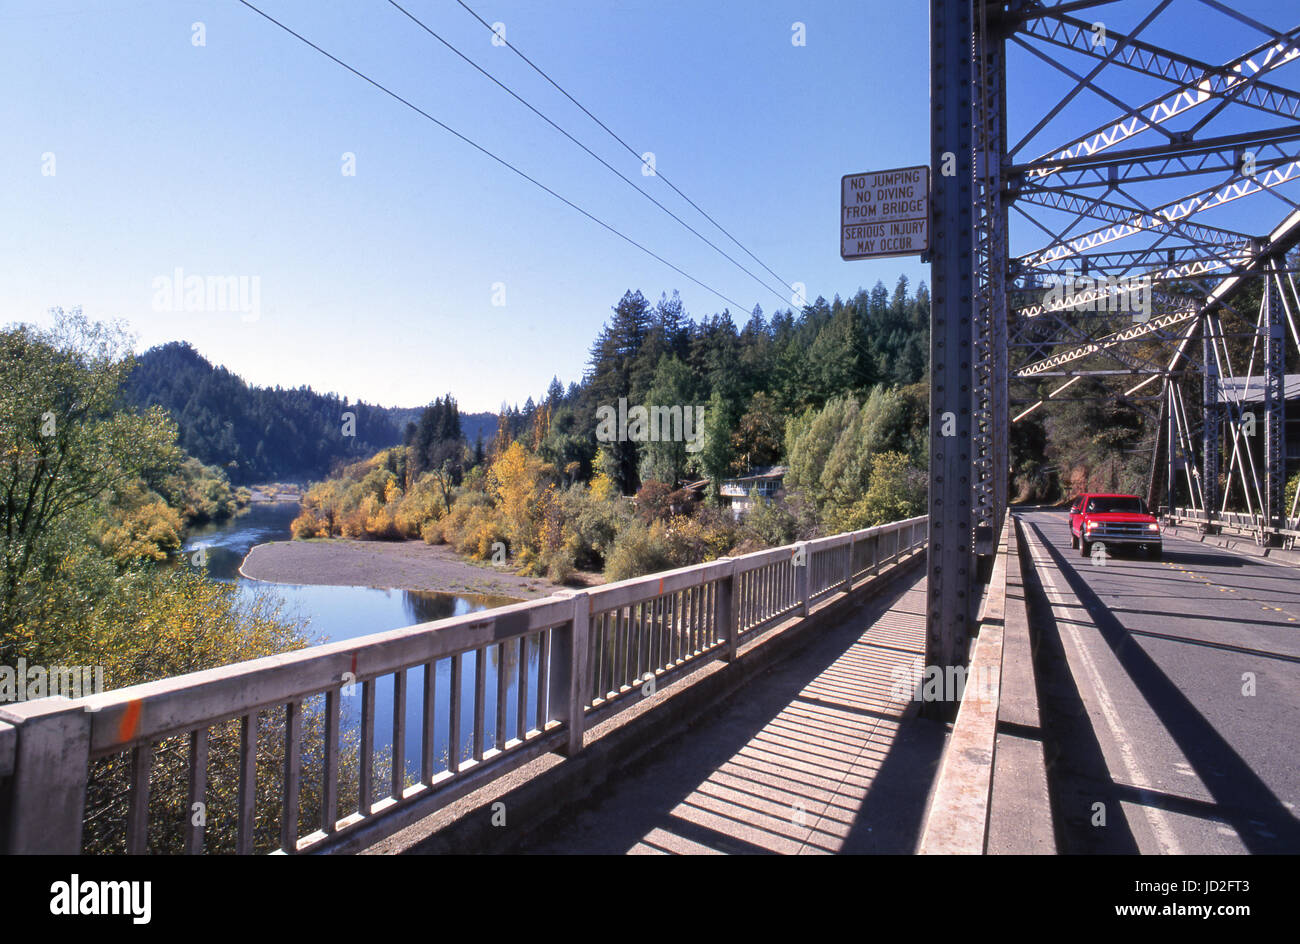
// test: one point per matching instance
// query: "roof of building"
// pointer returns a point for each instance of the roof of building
(1235, 390)
(763, 472)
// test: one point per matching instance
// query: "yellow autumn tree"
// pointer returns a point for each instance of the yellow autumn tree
(523, 487)
(602, 487)
(150, 531)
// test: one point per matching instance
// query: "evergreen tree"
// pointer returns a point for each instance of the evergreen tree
(665, 461)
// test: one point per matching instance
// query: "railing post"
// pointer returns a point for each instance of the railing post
(726, 615)
(47, 792)
(802, 585)
(848, 565)
(569, 645)
(8, 747)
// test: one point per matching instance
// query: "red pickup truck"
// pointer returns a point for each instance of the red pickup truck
(1113, 520)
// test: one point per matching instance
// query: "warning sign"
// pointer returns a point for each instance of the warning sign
(885, 213)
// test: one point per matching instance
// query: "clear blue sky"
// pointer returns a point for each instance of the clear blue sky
(225, 159)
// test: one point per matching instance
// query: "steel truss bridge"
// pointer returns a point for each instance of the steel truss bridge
(1117, 226)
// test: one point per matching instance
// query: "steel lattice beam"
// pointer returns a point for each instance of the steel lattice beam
(1176, 159)
(1151, 60)
(990, 440)
(1108, 342)
(1222, 133)
(1239, 75)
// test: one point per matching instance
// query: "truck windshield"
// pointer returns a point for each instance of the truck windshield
(1121, 504)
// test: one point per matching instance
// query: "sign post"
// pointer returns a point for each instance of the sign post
(885, 213)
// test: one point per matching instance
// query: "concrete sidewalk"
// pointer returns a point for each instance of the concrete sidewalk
(819, 758)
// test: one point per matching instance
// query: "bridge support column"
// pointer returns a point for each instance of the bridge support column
(1171, 463)
(950, 565)
(1211, 427)
(990, 432)
(1275, 508)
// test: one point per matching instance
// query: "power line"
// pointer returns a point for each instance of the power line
(629, 148)
(500, 160)
(612, 169)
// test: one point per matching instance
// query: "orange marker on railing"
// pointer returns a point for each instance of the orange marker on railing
(130, 722)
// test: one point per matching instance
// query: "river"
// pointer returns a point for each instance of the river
(332, 613)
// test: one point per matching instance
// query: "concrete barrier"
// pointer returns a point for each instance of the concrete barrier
(991, 795)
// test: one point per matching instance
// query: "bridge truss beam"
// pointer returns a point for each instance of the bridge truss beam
(1136, 230)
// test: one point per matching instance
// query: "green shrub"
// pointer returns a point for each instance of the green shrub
(638, 550)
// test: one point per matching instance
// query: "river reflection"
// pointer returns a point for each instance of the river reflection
(333, 613)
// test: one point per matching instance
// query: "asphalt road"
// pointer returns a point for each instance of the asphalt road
(1146, 672)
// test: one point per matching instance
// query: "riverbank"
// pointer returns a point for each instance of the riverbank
(390, 565)
(276, 492)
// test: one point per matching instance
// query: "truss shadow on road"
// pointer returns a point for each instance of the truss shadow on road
(1208, 560)
(1077, 774)
(1242, 799)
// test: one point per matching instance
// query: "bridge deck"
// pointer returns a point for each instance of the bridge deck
(1177, 695)
(820, 757)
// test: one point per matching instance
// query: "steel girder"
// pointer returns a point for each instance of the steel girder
(991, 441)
(949, 584)
(1116, 263)
(1275, 510)
(1224, 154)
(1211, 422)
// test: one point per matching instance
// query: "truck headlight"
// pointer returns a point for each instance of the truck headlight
(1153, 527)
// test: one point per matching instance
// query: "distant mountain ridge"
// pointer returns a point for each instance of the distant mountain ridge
(263, 434)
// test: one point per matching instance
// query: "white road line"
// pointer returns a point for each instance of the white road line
(1160, 828)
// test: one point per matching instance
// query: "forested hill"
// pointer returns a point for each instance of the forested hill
(753, 377)
(257, 434)
(473, 426)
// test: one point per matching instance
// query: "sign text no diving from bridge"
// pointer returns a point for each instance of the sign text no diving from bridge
(885, 213)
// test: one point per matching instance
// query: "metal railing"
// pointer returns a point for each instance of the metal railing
(1252, 524)
(498, 688)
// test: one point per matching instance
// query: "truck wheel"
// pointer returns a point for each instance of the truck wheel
(1085, 547)
(1074, 539)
